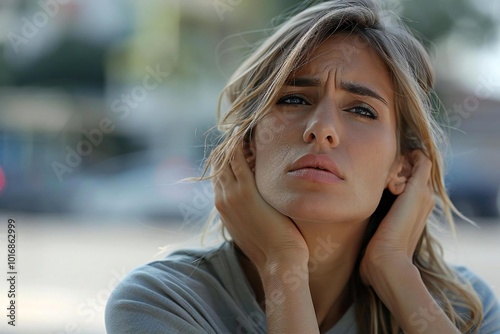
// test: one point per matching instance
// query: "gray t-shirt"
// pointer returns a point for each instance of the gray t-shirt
(206, 291)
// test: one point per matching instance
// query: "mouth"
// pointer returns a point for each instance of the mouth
(318, 165)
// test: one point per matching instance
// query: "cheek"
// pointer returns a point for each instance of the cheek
(371, 165)
(267, 175)
(375, 160)
(269, 156)
(272, 141)
(272, 149)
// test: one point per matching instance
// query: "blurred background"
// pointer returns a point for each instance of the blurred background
(106, 104)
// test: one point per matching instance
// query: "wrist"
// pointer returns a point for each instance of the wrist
(393, 284)
(279, 265)
(284, 275)
(387, 269)
(404, 293)
(394, 272)
(273, 262)
(288, 303)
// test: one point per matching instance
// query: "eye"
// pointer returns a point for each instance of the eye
(293, 100)
(363, 111)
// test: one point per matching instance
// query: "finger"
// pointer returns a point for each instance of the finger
(225, 176)
(421, 176)
(422, 166)
(223, 186)
(239, 165)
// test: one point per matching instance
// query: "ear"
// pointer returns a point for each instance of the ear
(249, 149)
(399, 175)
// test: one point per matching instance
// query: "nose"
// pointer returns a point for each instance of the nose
(322, 127)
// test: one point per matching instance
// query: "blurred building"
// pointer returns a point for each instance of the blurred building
(473, 161)
(97, 92)
(100, 90)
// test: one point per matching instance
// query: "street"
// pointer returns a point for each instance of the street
(67, 266)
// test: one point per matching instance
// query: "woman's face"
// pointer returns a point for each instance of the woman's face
(327, 149)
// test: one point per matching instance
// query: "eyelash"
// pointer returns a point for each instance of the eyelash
(293, 96)
(366, 111)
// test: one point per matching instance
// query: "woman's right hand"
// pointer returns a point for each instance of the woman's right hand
(271, 241)
(264, 234)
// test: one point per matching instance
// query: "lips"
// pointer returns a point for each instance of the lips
(319, 162)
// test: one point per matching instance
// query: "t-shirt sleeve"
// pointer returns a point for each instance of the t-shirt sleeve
(491, 306)
(144, 303)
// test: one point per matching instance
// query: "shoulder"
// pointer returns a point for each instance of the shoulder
(164, 295)
(489, 301)
(483, 290)
(178, 271)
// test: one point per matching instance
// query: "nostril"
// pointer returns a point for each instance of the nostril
(320, 137)
(312, 137)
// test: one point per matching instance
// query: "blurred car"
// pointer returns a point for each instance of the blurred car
(473, 180)
(28, 181)
(143, 185)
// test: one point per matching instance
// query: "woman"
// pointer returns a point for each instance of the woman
(327, 179)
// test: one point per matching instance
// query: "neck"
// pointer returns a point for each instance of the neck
(333, 251)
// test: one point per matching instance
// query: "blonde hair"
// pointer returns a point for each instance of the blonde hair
(254, 86)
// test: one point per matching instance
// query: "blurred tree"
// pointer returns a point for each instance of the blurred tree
(433, 19)
(72, 64)
(439, 19)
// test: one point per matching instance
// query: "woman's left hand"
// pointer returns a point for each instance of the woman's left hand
(397, 236)
(387, 265)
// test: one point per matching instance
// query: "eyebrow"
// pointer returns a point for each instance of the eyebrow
(358, 89)
(303, 82)
(349, 86)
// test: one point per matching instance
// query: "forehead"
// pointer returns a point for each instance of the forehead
(348, 57)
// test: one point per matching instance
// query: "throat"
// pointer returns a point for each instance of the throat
(252, 277)
(331, 302)
(329, 315)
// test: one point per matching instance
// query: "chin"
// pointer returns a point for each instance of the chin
(320, 209)
(311, 210)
